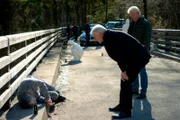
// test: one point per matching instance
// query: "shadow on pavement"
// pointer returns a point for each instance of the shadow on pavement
(84, 48)
(72, 63)
(98, 47)
(16, 113)
(142, 110)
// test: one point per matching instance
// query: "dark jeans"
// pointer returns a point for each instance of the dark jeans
(75, 37)
(143, 81)
(87, 38)
(126, 88)
(68, 36)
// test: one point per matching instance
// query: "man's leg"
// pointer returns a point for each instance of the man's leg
(135, 86)
(144, 83)
(68, 37)
(75, 37)
(87, 38)
(126, 92)
(126, 96)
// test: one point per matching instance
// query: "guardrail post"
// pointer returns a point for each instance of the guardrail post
(154, 43)
(7, 105)
(26, 53)
(167, 42)
(35, 68)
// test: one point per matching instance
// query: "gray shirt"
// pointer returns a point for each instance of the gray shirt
(33, 86)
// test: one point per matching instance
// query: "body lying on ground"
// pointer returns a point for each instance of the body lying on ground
(32, 91)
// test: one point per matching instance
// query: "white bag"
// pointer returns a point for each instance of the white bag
(76, 50)
(125, 27)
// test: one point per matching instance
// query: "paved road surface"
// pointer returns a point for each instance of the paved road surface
(94, 87)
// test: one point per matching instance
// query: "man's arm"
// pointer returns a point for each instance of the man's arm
(124, 76)
(43, 89)
(45, 93)
(122, 66)
(147, 35)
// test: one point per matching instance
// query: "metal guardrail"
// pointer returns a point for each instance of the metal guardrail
(165, 43)
(19, 55)
(166, 40)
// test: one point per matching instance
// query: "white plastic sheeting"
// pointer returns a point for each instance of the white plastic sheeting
(76, 50)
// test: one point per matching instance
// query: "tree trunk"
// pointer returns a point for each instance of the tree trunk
(145, 8)
(5, 19)
(55, 13)
(85, 8)
(77, 14)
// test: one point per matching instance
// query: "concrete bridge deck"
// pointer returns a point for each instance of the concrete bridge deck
(94, 87)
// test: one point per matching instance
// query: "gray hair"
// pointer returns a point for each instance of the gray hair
(54, 95)
(98, 28)
(134, 9)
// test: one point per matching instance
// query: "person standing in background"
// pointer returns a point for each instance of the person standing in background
(87, 30)
(125, 27)
(68, 30)
(75, 32)
(141, 29)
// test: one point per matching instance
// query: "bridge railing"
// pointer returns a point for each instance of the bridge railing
(165, 43)
(19, 55)
(166, 40)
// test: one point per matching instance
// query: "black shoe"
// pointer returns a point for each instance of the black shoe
(115, 109)
(60, 99)
(135, 93)
(122, 115)
(141, 96)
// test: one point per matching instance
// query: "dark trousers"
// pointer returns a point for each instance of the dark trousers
(75, 36)
(126, 88)
(68, 36)
(87, 38)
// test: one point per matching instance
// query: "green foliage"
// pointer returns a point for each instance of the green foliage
(30, 15)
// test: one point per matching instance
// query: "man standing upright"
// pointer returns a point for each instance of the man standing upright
(87, 29)
(75, 32)
(141, 29)
(68, 30)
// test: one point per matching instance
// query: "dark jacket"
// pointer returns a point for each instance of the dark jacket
(125, 50)
(68, 29)
(75, 30)
(142, 31)
(87, 28)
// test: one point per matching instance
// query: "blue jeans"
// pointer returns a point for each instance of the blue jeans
(143, 81)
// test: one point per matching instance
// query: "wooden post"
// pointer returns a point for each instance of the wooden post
(68, 13)
(7, 105)
(167, 42)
